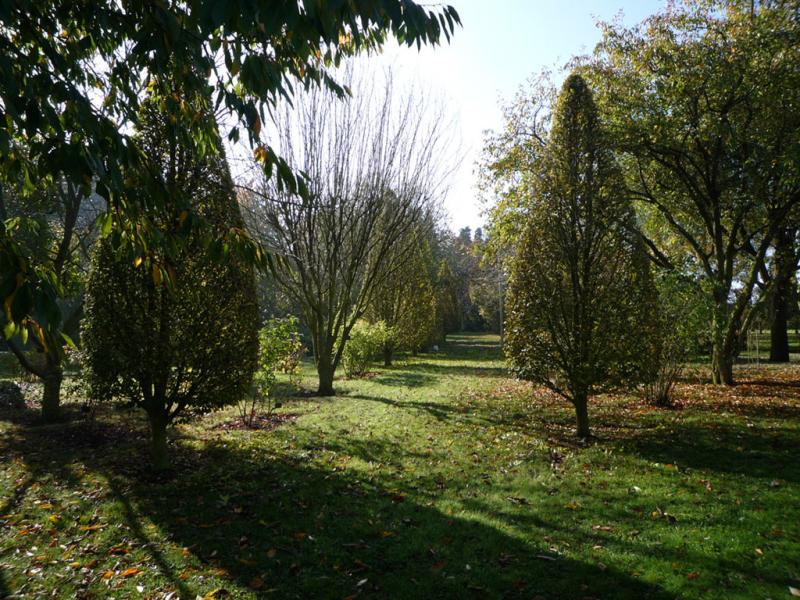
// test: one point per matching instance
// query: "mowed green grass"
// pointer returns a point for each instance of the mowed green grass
(440, 477)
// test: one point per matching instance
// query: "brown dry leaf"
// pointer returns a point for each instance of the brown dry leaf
(438, 566)
(91, 527)
(256, 583)
(692, 575)
(108, 574)
(130, 572)
(272, 552)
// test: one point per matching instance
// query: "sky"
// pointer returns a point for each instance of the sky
(501, 44)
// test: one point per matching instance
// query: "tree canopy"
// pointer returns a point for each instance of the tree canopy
(187, 347)
(580, 285)
(72, 79)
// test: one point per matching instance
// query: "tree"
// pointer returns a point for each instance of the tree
(71, 81)
(783, 278)
(406, 304)
(580, 284)
(702, 100)
(189, 347)
(448, 314)
(55, 226)
(674, 330)
(375, 166)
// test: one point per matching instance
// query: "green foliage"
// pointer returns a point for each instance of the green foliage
(280, 347)
(404, 301)
(580, 284)
(701, 100)
(279, 351)
(674, 331)
(362, 346)
(189, 347)
(506, 181)
(68, 54)
(448, 315)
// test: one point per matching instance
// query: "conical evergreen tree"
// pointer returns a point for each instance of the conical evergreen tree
(191, 346)
(580, 285)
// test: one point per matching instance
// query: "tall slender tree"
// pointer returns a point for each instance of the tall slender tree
(580, 284)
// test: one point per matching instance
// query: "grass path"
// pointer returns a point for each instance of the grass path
(439, 477)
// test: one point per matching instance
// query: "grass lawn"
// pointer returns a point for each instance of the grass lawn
(440, 477)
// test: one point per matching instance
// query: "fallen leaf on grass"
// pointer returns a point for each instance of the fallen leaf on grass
(215, 593)
(546, 557)
(692, 575)
(91, 527)
(130, 572)
(794, 591)
(272, 552)
(256, 583)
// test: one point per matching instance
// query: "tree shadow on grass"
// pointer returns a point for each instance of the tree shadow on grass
(767, 453)
(438, 410)
(459, 369)
(293, 528)
(625, 533)
(403, 378)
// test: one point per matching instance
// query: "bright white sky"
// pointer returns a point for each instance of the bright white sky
(501, 43)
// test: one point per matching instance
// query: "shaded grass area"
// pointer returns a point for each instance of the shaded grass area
(439, 477)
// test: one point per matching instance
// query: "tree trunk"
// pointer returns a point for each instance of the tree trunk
(582, 415)
(158, 440)
(722, 353)
(784, 267)
(779, 335)
(325, 372)
(51, 397)
(387, 355)
(722, 366)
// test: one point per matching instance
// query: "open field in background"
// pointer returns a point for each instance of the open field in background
(439, 477)
(758, 348)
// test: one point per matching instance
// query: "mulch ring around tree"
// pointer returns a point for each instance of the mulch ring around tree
(259, 423)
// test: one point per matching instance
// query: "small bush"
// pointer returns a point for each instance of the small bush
(677, 326)
(364, 343)
(279, 350)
